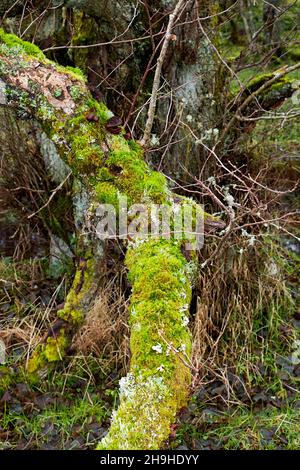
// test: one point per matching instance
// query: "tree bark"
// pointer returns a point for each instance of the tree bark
(271, 13)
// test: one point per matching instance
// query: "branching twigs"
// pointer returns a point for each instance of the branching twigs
(156, 81)
(276, 77)
(133, 104)
(51, 197)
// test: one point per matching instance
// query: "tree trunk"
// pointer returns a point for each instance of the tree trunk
(271, 13)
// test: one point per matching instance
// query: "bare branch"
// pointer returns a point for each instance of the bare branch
(152, 106)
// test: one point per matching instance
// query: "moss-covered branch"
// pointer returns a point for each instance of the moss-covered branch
(263, 93)
(158, 382)
(109, 167)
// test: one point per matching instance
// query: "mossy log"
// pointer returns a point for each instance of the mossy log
(157, 385)
(265, 92)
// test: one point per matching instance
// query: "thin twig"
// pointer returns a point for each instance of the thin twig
(152, 106)
(51, 197)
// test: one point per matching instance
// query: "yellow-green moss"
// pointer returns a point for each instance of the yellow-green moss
(12, 42)
(73, 313)
(74, 308)
(259, 81)
(73, 72)
(6, 379)
(159, 302)
(27, 47)
(135, 179)
(157, 385)
(52, 351)
(107, 193)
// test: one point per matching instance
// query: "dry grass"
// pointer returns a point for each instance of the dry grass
(239, 313)
(105, 332)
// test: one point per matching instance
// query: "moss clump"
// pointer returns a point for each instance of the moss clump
(12, 45)
(260, 80)
(27, 47)
(135, 179)
(73, 312)
(73, 72)
(74, 307)
(100, 109)
(157, 385)
(84, 138)
(52, 351)
(107, 193)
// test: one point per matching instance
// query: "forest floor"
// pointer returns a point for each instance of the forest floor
(70, 408)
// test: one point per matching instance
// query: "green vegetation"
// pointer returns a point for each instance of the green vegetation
(244, 429)
(242, 350)
(16, 44)
(64, 421)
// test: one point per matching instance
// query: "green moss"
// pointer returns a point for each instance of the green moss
(73, 72)
(30, 49)
(104, 174)
(135, 179)
(6, 379)
(281, 83)
(84, 137)
(73, 312)
(259, 80)
(107, 193)
(157, 385)
(74, 307)
(76, 92)
(159, 303)
(52, 351)
(13, 46)
(295, 53)
(55, 347)
(84, 33)
(100, 109)
(10, 375)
